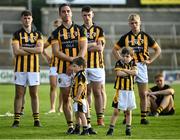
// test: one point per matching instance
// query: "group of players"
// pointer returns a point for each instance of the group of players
(77, 67)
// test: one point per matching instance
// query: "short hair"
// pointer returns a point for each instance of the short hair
(134, 16)
(79, 61)
(127, 50)
(86, 9)
(159, 75)
(26, 13)
(63, 5)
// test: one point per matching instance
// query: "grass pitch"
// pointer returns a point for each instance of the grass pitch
(54, 125)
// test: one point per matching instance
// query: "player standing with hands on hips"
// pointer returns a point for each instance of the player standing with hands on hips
(139, 41)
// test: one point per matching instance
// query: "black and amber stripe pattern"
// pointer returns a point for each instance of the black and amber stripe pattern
(79, 79)
(27, 63)
(124, 83)
(95, 59)
(36, 116)
(140, 44)
(68, 40)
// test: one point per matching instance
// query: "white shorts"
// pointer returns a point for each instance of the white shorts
(53, 71)
(80, 107)
(95, 75)
(64, 80)
(142, 76)
(27, 78)
(126, 100)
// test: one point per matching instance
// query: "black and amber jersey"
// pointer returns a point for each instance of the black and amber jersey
(27, 63)
(54, 59)
(95, 58)
(160, 97)
(139, 43)
(79, 80)
(127, 82)
(68, 40)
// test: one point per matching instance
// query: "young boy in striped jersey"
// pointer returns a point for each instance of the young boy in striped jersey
(124, 98)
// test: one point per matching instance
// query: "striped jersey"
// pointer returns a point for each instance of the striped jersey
(27, 63)
(139, 43)
(124, 83)
(68, 40)
(79, 79)
(95, 58)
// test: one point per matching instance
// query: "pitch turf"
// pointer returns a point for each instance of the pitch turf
(54, 125)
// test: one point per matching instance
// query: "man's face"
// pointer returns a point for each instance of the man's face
(87, 17)
(159, 82)
(135, 24)
(26, 21)
(66, 14)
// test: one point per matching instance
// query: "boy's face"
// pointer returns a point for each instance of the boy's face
(159, 82)
(127, 58)
(75, 68)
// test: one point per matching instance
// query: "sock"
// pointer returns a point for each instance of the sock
(36, 116)
(99, 116)
(159, 109)
(89, 122)
(70, 124)
(128, 127)
(111, 126)
(17, 117)
(143, 114)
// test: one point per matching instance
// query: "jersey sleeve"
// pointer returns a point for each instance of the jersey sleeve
(81, 80)
(118, 65)
(83, 33)
(15, 38)
(151, 41)
(101, 35)
(54, 37)
(49, 40)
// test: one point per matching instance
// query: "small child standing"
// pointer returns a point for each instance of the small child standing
(124, 98)
(79, 90)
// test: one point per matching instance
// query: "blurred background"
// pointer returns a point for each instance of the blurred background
(160, 19)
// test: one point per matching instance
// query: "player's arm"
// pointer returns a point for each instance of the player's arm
(96, 46)
(79, 91)
(121, 73)
(35, 50)
(132, 71)
(83, 47)
(169, 91)
(116, 53)
(157, 50)
(58, 53)
(17, 50)
(148, 93)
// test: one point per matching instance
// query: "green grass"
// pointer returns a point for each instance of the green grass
(54, 125)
